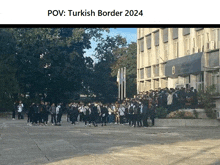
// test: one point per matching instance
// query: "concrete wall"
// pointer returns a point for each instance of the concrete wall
(186, 122)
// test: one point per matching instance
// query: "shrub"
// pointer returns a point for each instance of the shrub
(196, 114)
(181, 115)
(206, 99)
(161, 112)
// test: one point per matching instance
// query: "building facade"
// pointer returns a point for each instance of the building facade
(177, 57)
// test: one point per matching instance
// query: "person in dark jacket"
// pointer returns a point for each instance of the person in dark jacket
(195, 99)
(182, 97)
(35, 115)
(135, 114)
(74, 113)
(47, 105)
(104, 114)
(94, 115)
(139, 114)
(87, 112)
(176, 102)
(130, 114)
(14, 110)
(31, 114)
(53, 114)
(145, 113)
(43, 111)
(152, 110)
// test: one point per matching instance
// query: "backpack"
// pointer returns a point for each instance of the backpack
(87, 111)
(131, 109)
(135, 110)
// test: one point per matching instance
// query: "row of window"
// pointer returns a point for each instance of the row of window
(198, 82)
(147, 85)
(186, 31)
(155, 71)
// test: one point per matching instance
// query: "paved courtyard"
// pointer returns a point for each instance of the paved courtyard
(111, 145)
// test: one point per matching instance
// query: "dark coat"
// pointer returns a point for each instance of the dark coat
(145, 110)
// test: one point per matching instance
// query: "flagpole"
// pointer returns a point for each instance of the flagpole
(119, 83)
(124, 82)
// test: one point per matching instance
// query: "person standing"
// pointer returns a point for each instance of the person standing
(116, 112)
(20, 109)
(145, 113)
(47, 106)
(31, 114)
(75, 113)
(139, 114)
(130, 114)
(42, 113)
(71, 115)
(121, 113)
(35, 115)
(182, 98)
(53, 114)
(94, 115)
(104, 114)
(135, 114)
(59, 113)
(169, 102)
(152, 110)
(14, 111)
(68, 109)
(195, 99)
(38, 114)
(81, 110)
(87, 112)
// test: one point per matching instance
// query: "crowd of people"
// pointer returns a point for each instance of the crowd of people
(134, 111)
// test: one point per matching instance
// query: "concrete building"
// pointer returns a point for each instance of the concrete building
(177, 57)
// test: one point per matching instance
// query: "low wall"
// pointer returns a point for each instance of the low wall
(186, 122)
(5, 114)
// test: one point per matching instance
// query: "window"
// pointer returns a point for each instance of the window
(142, 73)
(148, 72)
(165, 35)
(164, 83)
(149, 57)
(198, 41)
(148, 84)
(213, 59)
(162, 69)
(213, 34)
(186, 31)
(176, 55)
(141, 45)
(149, 41)
(165, 52)
(156, 84)
(175, 33)
(157, 54)
(187, 46)
(156, 70)
(156, 38)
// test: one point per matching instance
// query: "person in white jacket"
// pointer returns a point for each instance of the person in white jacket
(58, 113)
(20, 109)
(122, 113)
(169, 101)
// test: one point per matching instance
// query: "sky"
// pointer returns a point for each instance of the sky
(129, 33)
